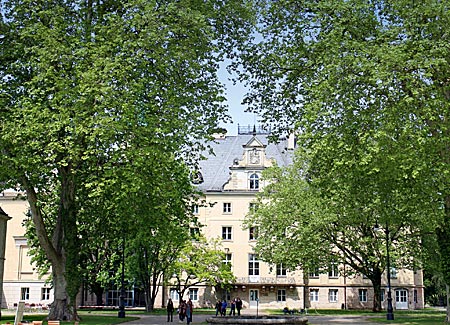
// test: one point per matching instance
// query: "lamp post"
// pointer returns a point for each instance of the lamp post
(121, 313)
(390, 309)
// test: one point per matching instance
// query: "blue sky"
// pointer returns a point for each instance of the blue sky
(235, 95)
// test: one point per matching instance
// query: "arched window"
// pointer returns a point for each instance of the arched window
(254, 181)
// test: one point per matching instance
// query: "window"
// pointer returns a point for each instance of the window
(45, 293)
(25, 293)
(253, 233)
(333, 295)
(314, 295)
(227, 207)
(195, 232)
(174, 294)
(333, 271)
(253, 264)
(252, 207)
(281, 295)
(227, 259)
(195, 209)
(362, 295)
(415, 296)
(314, 272)
(254, 181)
(393, 273)
(382, 295)
(281, 271)
(226, 233)
(193, 294)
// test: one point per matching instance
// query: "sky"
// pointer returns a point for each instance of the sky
(235, 95)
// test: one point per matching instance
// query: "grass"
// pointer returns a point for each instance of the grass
(407, 317)
(87, 319)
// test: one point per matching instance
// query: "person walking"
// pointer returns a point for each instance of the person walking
(238, 305)
(224, 308)
(232, 308)
(170, 310)
(189, 310)
(218, 307)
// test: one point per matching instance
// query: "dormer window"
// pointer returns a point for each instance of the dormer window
(254, 181)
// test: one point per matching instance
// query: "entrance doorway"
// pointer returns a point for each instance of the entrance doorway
(253, 297)
(401, 299)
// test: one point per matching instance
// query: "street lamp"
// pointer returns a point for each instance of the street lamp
(121, 313)
(390, 309)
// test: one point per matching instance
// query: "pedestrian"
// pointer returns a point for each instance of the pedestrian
(232, 308)
(182, 309)
(170, 310)
(238, 305)
(218, 307)
(224, 308)
(189, 310)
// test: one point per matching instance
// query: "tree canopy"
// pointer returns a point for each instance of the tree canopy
(90, 90)
(364, 85)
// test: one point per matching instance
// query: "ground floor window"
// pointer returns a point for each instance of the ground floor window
(314, 295)
(173, 294)
(25, 293)
(45, 294)
(362, 295)
(193, 294)
(281, 295)
(333, 295)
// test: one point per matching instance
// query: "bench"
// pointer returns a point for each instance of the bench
(37, 322)
(53, 322)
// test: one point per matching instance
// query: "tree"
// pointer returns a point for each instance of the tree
(201, 262)
(88, 86)
(365, 86)
(333, 226)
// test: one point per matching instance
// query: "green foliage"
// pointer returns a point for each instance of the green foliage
(364, 85)
(201, 261)
(95, 93)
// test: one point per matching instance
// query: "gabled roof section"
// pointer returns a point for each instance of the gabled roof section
(229, 150)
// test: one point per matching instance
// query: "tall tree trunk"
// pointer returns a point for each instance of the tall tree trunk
(376, 284)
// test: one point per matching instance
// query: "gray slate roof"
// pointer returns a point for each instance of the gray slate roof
(216, 168)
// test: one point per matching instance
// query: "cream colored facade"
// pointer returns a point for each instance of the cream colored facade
(229, 199)
(231, 179)
(20, 280)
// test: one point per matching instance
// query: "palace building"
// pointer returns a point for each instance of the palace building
(229, 180)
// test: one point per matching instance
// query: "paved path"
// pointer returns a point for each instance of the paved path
(201, 319)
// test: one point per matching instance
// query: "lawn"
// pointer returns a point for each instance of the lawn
(87, 319)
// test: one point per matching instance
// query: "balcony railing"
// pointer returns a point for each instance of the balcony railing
(265, 280)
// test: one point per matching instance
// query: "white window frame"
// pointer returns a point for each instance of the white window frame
(314, 295)
(227, 258)
(195, 209)
(281, 295)
(362, 294)
(333, 271)
(253, 264)
(173, 294)
(193, 294)
(333, 295)
(253, 181)
(25, 293)
(253, 233)
(226, 208)
(227, 233)
(45, 293)
(281, 270)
